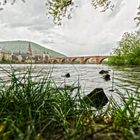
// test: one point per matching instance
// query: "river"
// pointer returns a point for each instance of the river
(125, 78)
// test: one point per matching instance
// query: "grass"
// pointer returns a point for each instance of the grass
(36, 109)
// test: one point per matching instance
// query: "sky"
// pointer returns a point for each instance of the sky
(88, 32)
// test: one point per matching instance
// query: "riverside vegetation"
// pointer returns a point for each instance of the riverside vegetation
(39, 110)
(128, 50)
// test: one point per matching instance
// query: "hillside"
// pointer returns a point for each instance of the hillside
(22, 46)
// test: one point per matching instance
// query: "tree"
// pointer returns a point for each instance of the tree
(128, 50)
(4, 2)
(138, 17)
(62, 8)
(129, 43)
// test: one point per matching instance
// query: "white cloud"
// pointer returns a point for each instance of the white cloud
(89, 32)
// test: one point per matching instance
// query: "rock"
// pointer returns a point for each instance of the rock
(96, 98)
(107, 77)
(104, 72)
(67, 75)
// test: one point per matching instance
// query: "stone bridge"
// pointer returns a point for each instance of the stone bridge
(78, 60)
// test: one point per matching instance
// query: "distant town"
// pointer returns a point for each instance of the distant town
(27, 55)
(20, 57)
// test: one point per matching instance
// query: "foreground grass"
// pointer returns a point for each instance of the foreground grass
(40, 110)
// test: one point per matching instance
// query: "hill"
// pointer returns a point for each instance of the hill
(22, 46)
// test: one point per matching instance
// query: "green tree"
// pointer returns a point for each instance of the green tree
(128, 44)
(128, 50)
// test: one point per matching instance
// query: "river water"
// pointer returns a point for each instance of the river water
(125, 78)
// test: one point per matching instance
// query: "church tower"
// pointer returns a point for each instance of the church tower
(30, 49)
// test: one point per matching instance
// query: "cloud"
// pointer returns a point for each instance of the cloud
(89, 32)
(92, 32)
(25, 22)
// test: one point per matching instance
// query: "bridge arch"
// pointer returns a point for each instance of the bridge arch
(74, 60)
(85, 60)
(55, 61)
(101, 60)
(63, 61)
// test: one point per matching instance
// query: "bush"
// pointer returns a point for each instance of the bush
(128, 51)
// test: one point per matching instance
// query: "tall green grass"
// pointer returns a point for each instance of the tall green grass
(40, 110)
(32, 109)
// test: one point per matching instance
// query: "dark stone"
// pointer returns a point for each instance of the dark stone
(107, 77)
(104, 72)
(67, 75)
(96, 98)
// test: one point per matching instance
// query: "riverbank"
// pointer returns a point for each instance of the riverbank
(123, 61)
(42, 111)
